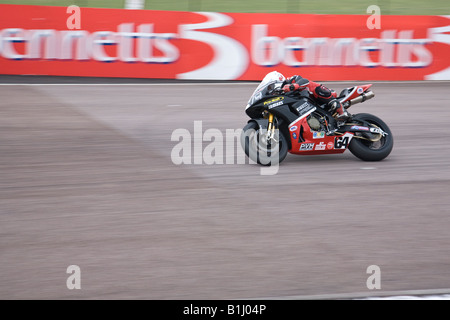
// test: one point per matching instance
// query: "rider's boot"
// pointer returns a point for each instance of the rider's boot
(338, 108)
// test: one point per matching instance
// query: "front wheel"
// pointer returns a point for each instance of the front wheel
(371, 146)
(261, 150)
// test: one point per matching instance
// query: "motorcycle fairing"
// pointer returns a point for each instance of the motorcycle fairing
(305, 141)
(353, 92)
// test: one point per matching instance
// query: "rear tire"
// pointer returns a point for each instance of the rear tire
(369, 150)
(258, 151)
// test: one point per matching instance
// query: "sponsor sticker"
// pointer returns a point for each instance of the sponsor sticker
(330, 145)
(273, 100)
(305, 108)
(360, 90)
(294, 135)
(359, 128)
(376, 130)
(320, 146)
(293, 128)
(276, 104)
(307, 147)
(318, 135)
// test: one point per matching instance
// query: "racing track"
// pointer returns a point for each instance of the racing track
(87, 180)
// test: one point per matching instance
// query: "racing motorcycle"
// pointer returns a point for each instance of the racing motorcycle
(282, 123)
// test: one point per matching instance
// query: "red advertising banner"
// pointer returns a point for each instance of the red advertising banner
(41, 40)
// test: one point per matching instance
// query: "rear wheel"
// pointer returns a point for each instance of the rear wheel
(372, 146)
(259, 149)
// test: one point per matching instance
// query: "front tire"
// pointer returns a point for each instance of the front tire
(372, 150)
(260, 152)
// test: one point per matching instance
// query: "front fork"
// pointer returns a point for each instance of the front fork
(271, 128)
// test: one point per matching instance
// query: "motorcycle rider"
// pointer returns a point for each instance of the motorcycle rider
(318, 93)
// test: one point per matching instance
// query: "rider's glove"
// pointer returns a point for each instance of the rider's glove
(291, 87)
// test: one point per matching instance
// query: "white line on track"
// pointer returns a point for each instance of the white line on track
(363, 295)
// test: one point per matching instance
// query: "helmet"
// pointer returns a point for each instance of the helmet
(273, 80)
(279, 76)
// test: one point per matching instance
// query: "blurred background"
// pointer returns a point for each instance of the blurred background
(394, 7)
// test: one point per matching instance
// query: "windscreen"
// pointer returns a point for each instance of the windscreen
(270, 82)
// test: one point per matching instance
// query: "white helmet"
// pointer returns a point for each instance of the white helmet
(276, 75)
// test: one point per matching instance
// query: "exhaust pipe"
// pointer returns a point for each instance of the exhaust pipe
(365, 96)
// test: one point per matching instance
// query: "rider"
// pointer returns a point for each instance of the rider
(317, 92)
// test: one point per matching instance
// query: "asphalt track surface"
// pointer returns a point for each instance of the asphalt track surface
(87, 179)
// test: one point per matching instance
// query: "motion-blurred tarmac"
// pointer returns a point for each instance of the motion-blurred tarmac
(87, 180)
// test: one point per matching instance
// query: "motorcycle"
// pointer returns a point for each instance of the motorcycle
(282, 123)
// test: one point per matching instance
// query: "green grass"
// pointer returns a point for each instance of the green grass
(392, 7)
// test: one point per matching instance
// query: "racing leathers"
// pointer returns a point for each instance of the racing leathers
(318, 93)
